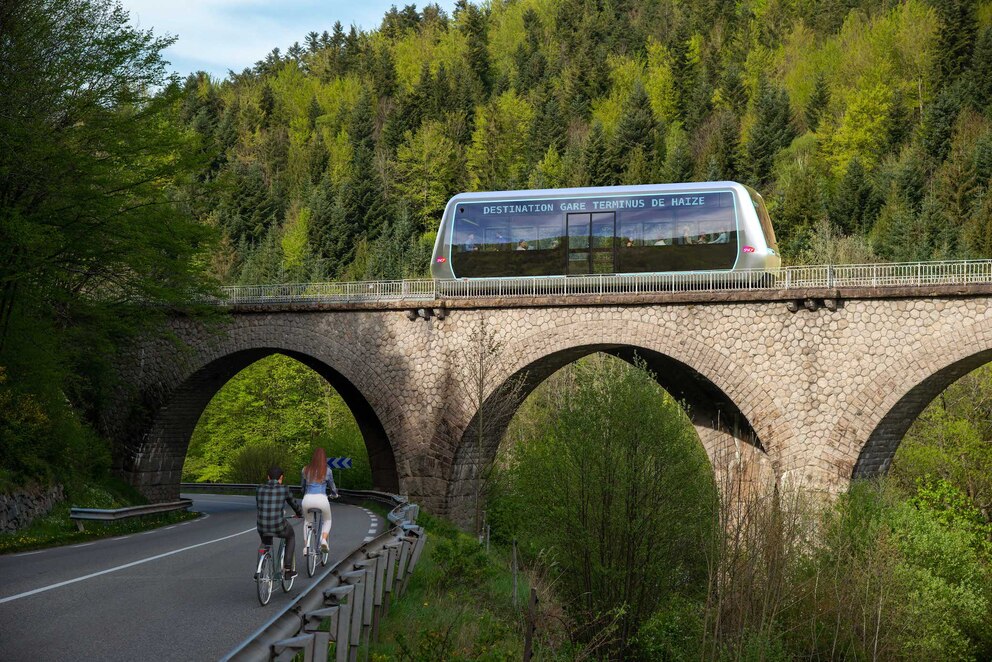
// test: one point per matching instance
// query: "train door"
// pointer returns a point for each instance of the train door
(578, 244)
(591, 244)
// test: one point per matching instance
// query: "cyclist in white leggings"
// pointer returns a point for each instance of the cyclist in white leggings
(318, 481)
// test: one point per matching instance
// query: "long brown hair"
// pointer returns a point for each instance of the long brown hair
(317, 469)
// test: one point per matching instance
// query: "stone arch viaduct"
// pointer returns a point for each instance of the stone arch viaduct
(810, 397)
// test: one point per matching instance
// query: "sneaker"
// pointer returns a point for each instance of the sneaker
(323, 547)
(289, 574)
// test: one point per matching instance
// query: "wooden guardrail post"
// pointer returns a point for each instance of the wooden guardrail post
(531, 625)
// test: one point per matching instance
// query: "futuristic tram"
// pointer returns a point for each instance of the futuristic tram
(662, 228)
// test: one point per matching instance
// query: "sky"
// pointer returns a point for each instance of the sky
(220, 35)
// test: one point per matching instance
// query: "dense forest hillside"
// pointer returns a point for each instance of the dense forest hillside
(867, 124)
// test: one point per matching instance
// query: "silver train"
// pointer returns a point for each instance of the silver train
(663, 228)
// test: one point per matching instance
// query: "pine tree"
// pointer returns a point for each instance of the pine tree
(317, 158)
(267, 105)
(365, 209)
(977, 235)
(818, 102)
(474, 23)
(772, 131)
(383, 73)
(727, 148)
(732, 91)
(956, 38)
(678, 159)
(980, 75)
(598, 169)
(855, 205)
(313, 112)
(637, 125)
(529, 59)
(549, 125)
(938, 124)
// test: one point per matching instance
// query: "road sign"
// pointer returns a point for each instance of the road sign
(339, 462)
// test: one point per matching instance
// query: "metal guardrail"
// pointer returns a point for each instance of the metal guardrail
(880, 275)
(397, 502)
(351, 597)
(79, 515)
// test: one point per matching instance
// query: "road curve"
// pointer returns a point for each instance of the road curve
(182, 592)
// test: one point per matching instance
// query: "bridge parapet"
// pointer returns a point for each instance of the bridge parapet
(855, 280)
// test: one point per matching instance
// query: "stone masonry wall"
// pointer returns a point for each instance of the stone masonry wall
(20, 508)
(820, 392)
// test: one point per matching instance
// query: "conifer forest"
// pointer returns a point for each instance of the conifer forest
(865, 125)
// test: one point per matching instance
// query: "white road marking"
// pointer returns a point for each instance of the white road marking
(147, 533)
(368, 538)
(121, 567)
(30, 553)
(85, 544)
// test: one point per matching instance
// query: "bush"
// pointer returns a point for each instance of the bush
(673, 633)
(251, 463)
(461, 561)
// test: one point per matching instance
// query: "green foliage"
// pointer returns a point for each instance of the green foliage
(461, 560)
(458, 605)
(251, 463)
(274, 411)
(372, 131)
(951, 441)
(581, 481)
(96, 173)
(674, 632)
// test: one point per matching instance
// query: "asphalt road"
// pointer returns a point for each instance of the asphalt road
(182, 592)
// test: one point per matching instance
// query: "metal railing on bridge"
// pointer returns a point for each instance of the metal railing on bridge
(880, 275)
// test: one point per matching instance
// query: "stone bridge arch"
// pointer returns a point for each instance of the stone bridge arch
(173, 381)
(740, 426)
(877, 418)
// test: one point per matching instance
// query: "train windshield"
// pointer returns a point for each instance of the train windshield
(766, 222)
(634, 233)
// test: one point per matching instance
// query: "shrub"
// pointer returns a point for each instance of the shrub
(460, 561)
(673, 633)
(251, 463)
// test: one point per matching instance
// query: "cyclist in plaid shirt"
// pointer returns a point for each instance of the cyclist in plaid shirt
(270, 499)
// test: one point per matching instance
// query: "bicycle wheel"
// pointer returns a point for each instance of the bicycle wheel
(265, 579)
(286, 583)
(311, 554)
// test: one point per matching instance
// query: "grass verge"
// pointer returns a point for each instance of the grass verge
(55, 528)
(458, 604)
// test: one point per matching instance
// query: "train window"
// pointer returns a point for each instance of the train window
(497, 238)
(468, 236)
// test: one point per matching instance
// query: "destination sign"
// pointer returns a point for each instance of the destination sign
(715, 199)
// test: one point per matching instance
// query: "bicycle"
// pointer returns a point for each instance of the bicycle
(265, 572)
(312, 545)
